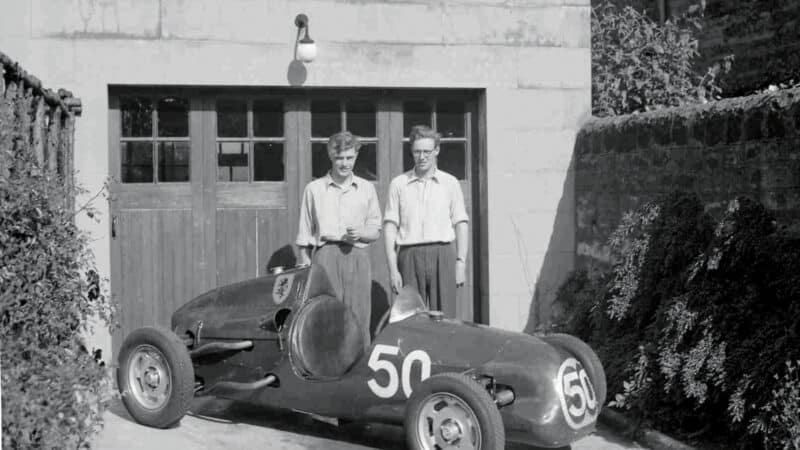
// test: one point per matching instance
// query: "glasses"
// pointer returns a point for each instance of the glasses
(423, 152)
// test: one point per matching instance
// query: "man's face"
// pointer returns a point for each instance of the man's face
(342, 163)
(425, 152)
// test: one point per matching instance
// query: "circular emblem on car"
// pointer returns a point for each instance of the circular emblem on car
(576, 394)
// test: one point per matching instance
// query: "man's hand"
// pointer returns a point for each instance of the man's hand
(461, 272)
(396, 280)
(352, 235)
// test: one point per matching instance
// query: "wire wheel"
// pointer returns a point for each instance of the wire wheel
(155, 377)
(452, 410)
(149, 377)
(446, 421)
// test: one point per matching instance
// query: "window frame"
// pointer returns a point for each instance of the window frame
(250, 139)
(154, 139)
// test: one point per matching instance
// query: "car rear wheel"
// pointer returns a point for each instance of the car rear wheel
(451, 410)
(586, 356)
(155, 377)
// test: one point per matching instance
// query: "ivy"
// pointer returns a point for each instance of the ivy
(639, 65)
(54, 389)
(697, 319)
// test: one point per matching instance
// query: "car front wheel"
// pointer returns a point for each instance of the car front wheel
(155, 377)
(452, 410)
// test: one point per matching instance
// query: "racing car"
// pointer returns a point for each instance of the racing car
(285, 340)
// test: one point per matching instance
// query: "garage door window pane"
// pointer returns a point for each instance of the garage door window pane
(452, 159)
(367, 163)
(173, 161)
(325, 118)
(231, 118)
(415, 113)
(361, 118)
(173, 117)
(232, 161)
(137, 162)
(137, 116)
(320, 163)
(450, 119)
(268, 118)
(268, 161)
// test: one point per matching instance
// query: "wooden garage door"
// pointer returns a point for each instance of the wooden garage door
(206, 183)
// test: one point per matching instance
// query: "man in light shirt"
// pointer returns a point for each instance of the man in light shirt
(424, 214)
(339, 217)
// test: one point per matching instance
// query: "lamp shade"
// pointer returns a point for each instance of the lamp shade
(306, 51)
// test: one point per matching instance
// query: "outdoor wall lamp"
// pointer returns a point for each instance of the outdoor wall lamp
(306, 49)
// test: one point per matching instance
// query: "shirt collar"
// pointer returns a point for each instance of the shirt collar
(412, 175)
(353, 180)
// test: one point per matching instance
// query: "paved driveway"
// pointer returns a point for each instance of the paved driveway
(222, 424)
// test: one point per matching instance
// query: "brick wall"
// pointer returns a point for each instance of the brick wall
(744, 146)
(762, 35)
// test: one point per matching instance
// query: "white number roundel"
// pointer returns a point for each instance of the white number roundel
(393, 384)
(576, 394)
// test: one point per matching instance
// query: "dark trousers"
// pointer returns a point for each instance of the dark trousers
(431, 269)
(350, 274)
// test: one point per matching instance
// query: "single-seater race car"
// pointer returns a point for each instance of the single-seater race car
(284, 340)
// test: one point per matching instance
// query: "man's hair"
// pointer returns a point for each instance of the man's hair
(341, 141)
(423, 132)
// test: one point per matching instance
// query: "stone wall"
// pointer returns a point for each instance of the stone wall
(744, 146)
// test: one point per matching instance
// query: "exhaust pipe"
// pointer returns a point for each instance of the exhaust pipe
(231, 388)
(504, 397)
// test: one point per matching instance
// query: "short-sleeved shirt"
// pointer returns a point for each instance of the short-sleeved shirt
(425, 210)
(327, 209)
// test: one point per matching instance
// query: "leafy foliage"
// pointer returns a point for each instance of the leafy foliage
(711, 313)
(639, 65)
(54, 390)
(780, 421)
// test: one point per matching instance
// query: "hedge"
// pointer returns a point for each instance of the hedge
(698, 322)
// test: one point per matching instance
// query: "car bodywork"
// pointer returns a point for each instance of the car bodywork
(246, 341)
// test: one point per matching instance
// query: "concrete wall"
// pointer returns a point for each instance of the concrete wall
(745, 146)
(532, 57)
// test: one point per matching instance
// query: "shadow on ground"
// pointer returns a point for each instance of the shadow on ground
(375, 435)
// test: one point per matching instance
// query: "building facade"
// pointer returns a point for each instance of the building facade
(206, 127)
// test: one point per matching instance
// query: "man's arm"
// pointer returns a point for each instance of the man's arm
(391, 219)
(462, 247)
(390, 240)
(458, 216)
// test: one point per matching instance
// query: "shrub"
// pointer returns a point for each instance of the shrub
(54, 390)
(710, 313)
(639, 65)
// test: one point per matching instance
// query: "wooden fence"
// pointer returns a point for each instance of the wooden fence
(35, 120)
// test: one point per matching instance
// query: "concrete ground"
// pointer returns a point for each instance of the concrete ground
(222, 424)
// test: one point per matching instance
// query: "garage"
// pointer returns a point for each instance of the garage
(206, 182)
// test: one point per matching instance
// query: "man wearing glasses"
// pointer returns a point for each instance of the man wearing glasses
(339, 217)
(424, 214)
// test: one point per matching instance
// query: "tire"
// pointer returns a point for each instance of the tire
(466, 414)
(587, 357)
(155, 377)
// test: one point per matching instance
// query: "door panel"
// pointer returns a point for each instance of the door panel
(156, 256)
(154, 228)
(236, 245)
